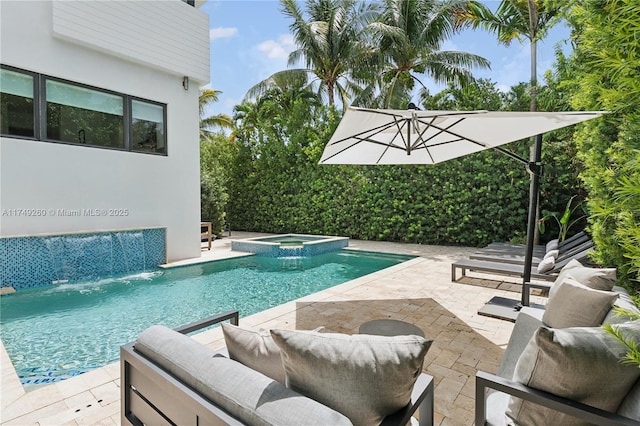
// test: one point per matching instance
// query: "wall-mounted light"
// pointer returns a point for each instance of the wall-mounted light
(185, 82)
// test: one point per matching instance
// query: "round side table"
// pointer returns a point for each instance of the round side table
(389, 327)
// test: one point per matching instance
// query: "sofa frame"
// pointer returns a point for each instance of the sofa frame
(152, 393)
(486, 381)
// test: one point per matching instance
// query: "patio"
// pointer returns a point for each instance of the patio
(418, 291)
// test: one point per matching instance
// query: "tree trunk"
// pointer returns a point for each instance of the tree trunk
(330, 89)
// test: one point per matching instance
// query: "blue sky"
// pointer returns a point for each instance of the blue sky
(250, 40)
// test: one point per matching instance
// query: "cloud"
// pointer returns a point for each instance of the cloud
(222, 32)
(277, 49)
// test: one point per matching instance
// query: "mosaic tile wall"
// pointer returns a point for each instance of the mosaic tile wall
(275, 250)
(30, 262)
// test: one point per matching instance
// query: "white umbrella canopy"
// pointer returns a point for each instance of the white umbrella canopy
(379, 136)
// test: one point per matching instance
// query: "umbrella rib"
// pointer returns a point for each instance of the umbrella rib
(363, 139)
(448, 131)
(374, 131)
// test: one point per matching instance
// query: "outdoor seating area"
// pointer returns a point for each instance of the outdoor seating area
(169, 376)
(562, 371)
(468, 352)
(541, 377)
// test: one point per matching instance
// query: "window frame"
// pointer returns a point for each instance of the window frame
(36, 106)
(40, 113)
(129, 106)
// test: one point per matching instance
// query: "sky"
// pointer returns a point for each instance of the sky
(250, 40)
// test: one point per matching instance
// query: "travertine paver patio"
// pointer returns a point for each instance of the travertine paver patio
(419, 291)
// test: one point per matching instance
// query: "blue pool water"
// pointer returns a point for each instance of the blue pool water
(61, 331)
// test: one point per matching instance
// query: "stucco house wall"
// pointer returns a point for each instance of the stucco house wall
(143, 49)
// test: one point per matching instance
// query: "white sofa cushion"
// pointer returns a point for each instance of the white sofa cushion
(581, 363)
(246, 394)
(364, 377)
(576, 305)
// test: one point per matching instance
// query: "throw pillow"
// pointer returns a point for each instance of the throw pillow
(552, 245)
(255, 349)
(582, 364)
(364, 377)
(546, 264)
(576, 305)
(596, 278)
(552, 253)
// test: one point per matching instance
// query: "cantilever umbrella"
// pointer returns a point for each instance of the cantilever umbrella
(384, 136)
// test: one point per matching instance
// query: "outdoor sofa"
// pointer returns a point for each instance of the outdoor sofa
(560, 361)
(169, 378)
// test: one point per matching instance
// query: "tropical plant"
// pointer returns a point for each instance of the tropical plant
(209, 123)
(216, 156)
(284, 88)
(409, 35)
(606, 76)
(565, 221)
(630, 342)
(515, 20)
(328, 35)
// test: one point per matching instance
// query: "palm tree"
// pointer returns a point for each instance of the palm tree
(284, 87)
(517, 19)
(220, 121)
(409, 34)
(328, 38)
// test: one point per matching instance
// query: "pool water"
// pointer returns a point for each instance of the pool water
(57, 332)
(289, 238)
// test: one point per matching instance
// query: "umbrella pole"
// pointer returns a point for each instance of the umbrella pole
(535, 169)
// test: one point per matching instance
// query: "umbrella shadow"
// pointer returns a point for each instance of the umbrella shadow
(458, 350)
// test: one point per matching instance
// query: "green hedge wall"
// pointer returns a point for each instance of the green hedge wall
(276, 185)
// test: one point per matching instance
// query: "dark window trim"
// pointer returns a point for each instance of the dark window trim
(164, 122)
(36, 100)
(40, 111)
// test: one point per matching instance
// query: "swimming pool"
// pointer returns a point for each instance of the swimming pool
(61, 331)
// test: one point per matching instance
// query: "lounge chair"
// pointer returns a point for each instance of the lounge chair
(519, 259)
(572, 241)
(513, 269)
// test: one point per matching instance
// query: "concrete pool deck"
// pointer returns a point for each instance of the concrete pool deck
(419, 291)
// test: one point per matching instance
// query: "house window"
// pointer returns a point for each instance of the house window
(147, 127)
(39, 107)
(77, 114)
(17, 108)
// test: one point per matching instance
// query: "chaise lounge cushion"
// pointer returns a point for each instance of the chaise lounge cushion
(364, 377)
(576, 305)
(246, 394)
(546, 264)
(255, 349)
(582, 364)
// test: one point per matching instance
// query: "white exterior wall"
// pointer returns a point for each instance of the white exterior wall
(156, 190)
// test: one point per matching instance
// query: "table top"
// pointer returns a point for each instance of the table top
(390, 327)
